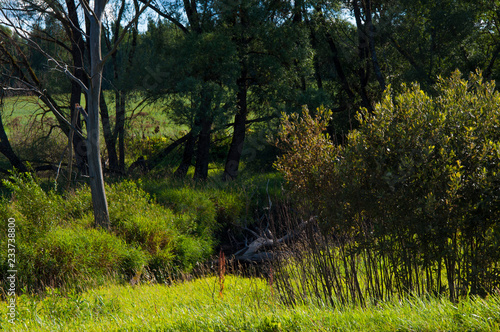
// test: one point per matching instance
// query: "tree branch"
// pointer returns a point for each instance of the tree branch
(124, 32)
(167, 16)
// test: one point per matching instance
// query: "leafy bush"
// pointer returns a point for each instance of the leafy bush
(40, 210)
(37, 211)
(308, 153)
(418, 185)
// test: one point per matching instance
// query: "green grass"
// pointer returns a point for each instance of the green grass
(148, 129)
(21, 106)
(246, 305)
(144, 117)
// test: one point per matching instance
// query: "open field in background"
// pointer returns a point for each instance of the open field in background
(29, 126)
(22, 106)
(144, 116)
(245, 305)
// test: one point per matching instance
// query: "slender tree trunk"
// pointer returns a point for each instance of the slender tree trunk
(121, 92)
(77, 53)
(239, 128)
(363, 53)
(79, 144)
(187, 156)
(489, 68)
(335, 57)
(203, 149)
(99, 201)
(203, 123)
(314, 44)
(297, 20)
(371, 43)
(236, 147)
(108, 134)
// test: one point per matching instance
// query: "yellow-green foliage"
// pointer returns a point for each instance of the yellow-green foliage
(308, 151)
(247, 305)
(195, 205)
(418, 183)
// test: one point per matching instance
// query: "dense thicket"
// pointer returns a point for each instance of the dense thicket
(412, 199)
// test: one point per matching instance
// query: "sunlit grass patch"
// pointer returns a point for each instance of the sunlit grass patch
(246, 305)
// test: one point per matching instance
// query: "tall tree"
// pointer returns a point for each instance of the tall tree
(99, 201)
(16, 15)
(202, 59)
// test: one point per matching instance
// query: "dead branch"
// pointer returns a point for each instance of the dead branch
(252, 252)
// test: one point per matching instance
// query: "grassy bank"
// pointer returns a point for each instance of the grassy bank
(245, 305)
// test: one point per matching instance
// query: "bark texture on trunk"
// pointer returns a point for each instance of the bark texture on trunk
(203, 150)
(99, 201)
(77, 53)
(203, 126)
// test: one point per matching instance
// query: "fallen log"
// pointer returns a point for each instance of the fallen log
(251, 252)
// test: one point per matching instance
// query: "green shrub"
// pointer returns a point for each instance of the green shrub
(77, 204)
(308, 154)
(190, 250)
(67, 252)
(418, 184)
(230, 207)
(39, 210)
(138, 220)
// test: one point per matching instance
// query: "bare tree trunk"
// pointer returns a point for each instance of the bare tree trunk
(371, 42)
(121, 92)
(203, 124)
(187, 156)
(99, 201)
(335, 56)
(314, 44)
(236, 148)
(203, 149)
(108, 134)
(77, 53)
(239, 128)
(363, 52)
